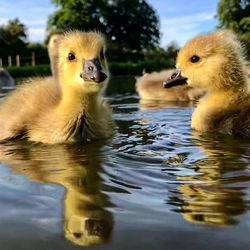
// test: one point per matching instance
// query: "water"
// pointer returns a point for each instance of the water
(155, 185)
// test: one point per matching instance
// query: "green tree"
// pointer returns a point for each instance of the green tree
(12, 37)
(172, 49)
(234, 14)
(77, 14)
(127, 24)
(132, 24)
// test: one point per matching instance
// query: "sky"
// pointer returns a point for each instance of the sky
(180, 20)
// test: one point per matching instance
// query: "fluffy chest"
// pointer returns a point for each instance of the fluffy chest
(83, 129)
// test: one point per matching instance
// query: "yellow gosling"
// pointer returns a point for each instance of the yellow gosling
(149, 87)
(68, 107)
(215, 62)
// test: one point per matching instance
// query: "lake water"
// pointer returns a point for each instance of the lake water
(155, 185)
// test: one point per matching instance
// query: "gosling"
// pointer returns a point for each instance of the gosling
(149, 87)
(67, 107)
(215, 62)
(52, 51)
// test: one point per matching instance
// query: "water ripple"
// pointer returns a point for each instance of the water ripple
(154, 172)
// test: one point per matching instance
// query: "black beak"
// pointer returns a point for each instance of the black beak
(93, 71)
(175, 79)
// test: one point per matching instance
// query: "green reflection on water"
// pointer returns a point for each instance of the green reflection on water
(120, 85)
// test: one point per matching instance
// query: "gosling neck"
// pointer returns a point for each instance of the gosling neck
(234, 78)
(225, 98)
(75, 98)
(235, 85)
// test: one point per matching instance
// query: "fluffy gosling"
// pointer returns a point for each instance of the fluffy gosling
(67, 107)
(216, 62)
(149, 87)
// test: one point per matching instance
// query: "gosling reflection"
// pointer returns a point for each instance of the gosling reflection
(215, 194)
(160, 104)
(214, 191)
(77, 168)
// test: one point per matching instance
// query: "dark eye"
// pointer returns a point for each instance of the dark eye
(194, 59)
(71, 56)
(102, 54)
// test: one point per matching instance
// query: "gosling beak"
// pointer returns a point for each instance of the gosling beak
(93, 71)
(175, 79)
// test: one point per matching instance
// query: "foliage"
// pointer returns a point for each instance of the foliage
(77, 14)
(13, 42)
(234, 14)
(29, 71)
(41, 53)
(127, 24)
(135, 56)
(12, 37)
(132, 24)
(114, 55)
(126, 85)
(127, 68)
(172, 49)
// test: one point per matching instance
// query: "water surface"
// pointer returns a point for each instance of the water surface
(155, 185)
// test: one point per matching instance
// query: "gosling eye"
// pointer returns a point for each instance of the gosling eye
(194, 59)
(102, 54)
(71, 56)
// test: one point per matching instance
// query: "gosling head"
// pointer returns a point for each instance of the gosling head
(87, 231)
(53, 50)
(81, 61)
(53, 42)
(214, 61)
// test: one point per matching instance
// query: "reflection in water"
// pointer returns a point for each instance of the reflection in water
(158, 174)
(77, 168)
(213, 192)
(160, 104)
(215, 195)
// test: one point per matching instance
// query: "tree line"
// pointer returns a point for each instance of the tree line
(131, 28)
(235, 15)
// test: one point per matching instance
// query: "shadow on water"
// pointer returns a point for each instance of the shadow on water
(76, 167)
